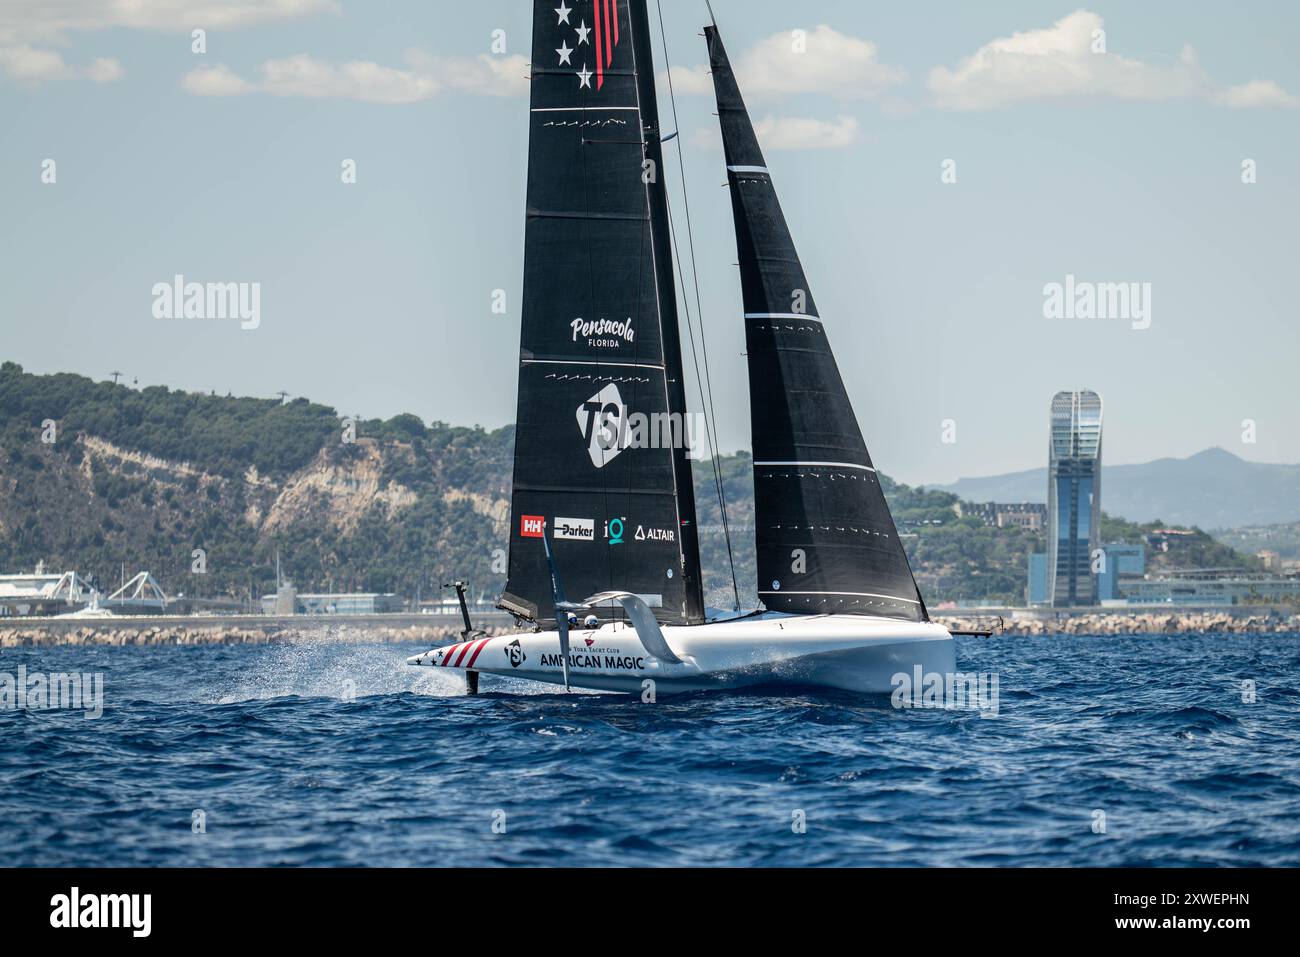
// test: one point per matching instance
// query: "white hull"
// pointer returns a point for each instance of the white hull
(848, 652)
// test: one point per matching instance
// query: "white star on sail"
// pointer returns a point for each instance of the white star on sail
(565, 52)
(563, 13)
(584, 77)
(582, 33)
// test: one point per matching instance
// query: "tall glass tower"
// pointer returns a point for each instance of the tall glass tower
(1073, 498)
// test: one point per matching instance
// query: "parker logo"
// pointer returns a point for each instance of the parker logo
(515, 652)
(601, 420)
(531, 526)
(576, 529)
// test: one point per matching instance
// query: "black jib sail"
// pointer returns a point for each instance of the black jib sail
(602, 433)
(826, 541)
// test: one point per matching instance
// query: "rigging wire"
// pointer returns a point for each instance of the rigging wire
(710, 419)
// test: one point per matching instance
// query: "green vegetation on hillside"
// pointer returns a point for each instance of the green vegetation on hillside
(223, 436)
(143, 478)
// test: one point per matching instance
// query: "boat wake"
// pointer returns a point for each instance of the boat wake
(324, 669)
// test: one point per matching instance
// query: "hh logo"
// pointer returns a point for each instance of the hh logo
(530, 526)
(515, 651)
(602, 421)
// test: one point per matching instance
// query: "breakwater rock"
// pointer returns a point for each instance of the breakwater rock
(253, 631)
(1133, 623)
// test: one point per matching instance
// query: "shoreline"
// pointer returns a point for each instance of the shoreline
(1245, 622)
(419, 629)
(237, 630)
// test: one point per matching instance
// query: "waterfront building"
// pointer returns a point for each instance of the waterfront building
(1038, 592)
(1073, 498)
(1119, 564)
(42, 593)
(1211, 586)
(1027, 515)
(1272, 560)
(353, 603)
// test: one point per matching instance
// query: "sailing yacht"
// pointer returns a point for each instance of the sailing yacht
(597, 511)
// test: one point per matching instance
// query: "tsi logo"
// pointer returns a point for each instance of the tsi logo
(601, 420)
(530, 526)
(576, 529)
(102, 910)
(608, 428)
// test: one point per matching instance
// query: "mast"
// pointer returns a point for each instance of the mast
(826, 541)
(600, 456)
(643, 64)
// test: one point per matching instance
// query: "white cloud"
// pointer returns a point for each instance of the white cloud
(28, 63)
(1059, 61)
(53, 19)
(483, 74)
(806, 133)
(215, 81)
(689, 80)
(790, 133)
(305, 76)
(1257, 94)
(824, 61)
(32, 65)
(104, 70)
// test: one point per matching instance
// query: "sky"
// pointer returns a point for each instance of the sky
(940, 166)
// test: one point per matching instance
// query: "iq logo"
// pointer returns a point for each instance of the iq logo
(530, 526)
(614, 531)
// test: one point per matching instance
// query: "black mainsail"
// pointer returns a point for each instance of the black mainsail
(600, 445)
(826, 540)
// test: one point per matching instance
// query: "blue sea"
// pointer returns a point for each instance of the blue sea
(1105, 751)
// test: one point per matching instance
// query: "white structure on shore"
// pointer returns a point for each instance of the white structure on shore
(41, 593)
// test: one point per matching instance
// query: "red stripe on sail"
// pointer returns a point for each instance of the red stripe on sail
(609, 31)
(474, 657)
(446, 658)
(600, 49)
(615, 22)
(468, 646)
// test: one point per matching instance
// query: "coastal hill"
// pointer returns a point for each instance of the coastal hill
(1211, 489)
(96, 476)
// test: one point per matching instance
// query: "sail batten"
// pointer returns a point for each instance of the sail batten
(599, 349)
(825, 538)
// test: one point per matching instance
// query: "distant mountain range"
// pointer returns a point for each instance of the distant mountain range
(1213, 489)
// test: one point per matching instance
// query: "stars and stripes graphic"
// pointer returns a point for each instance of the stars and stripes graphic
(605, 27)
(455, 656)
